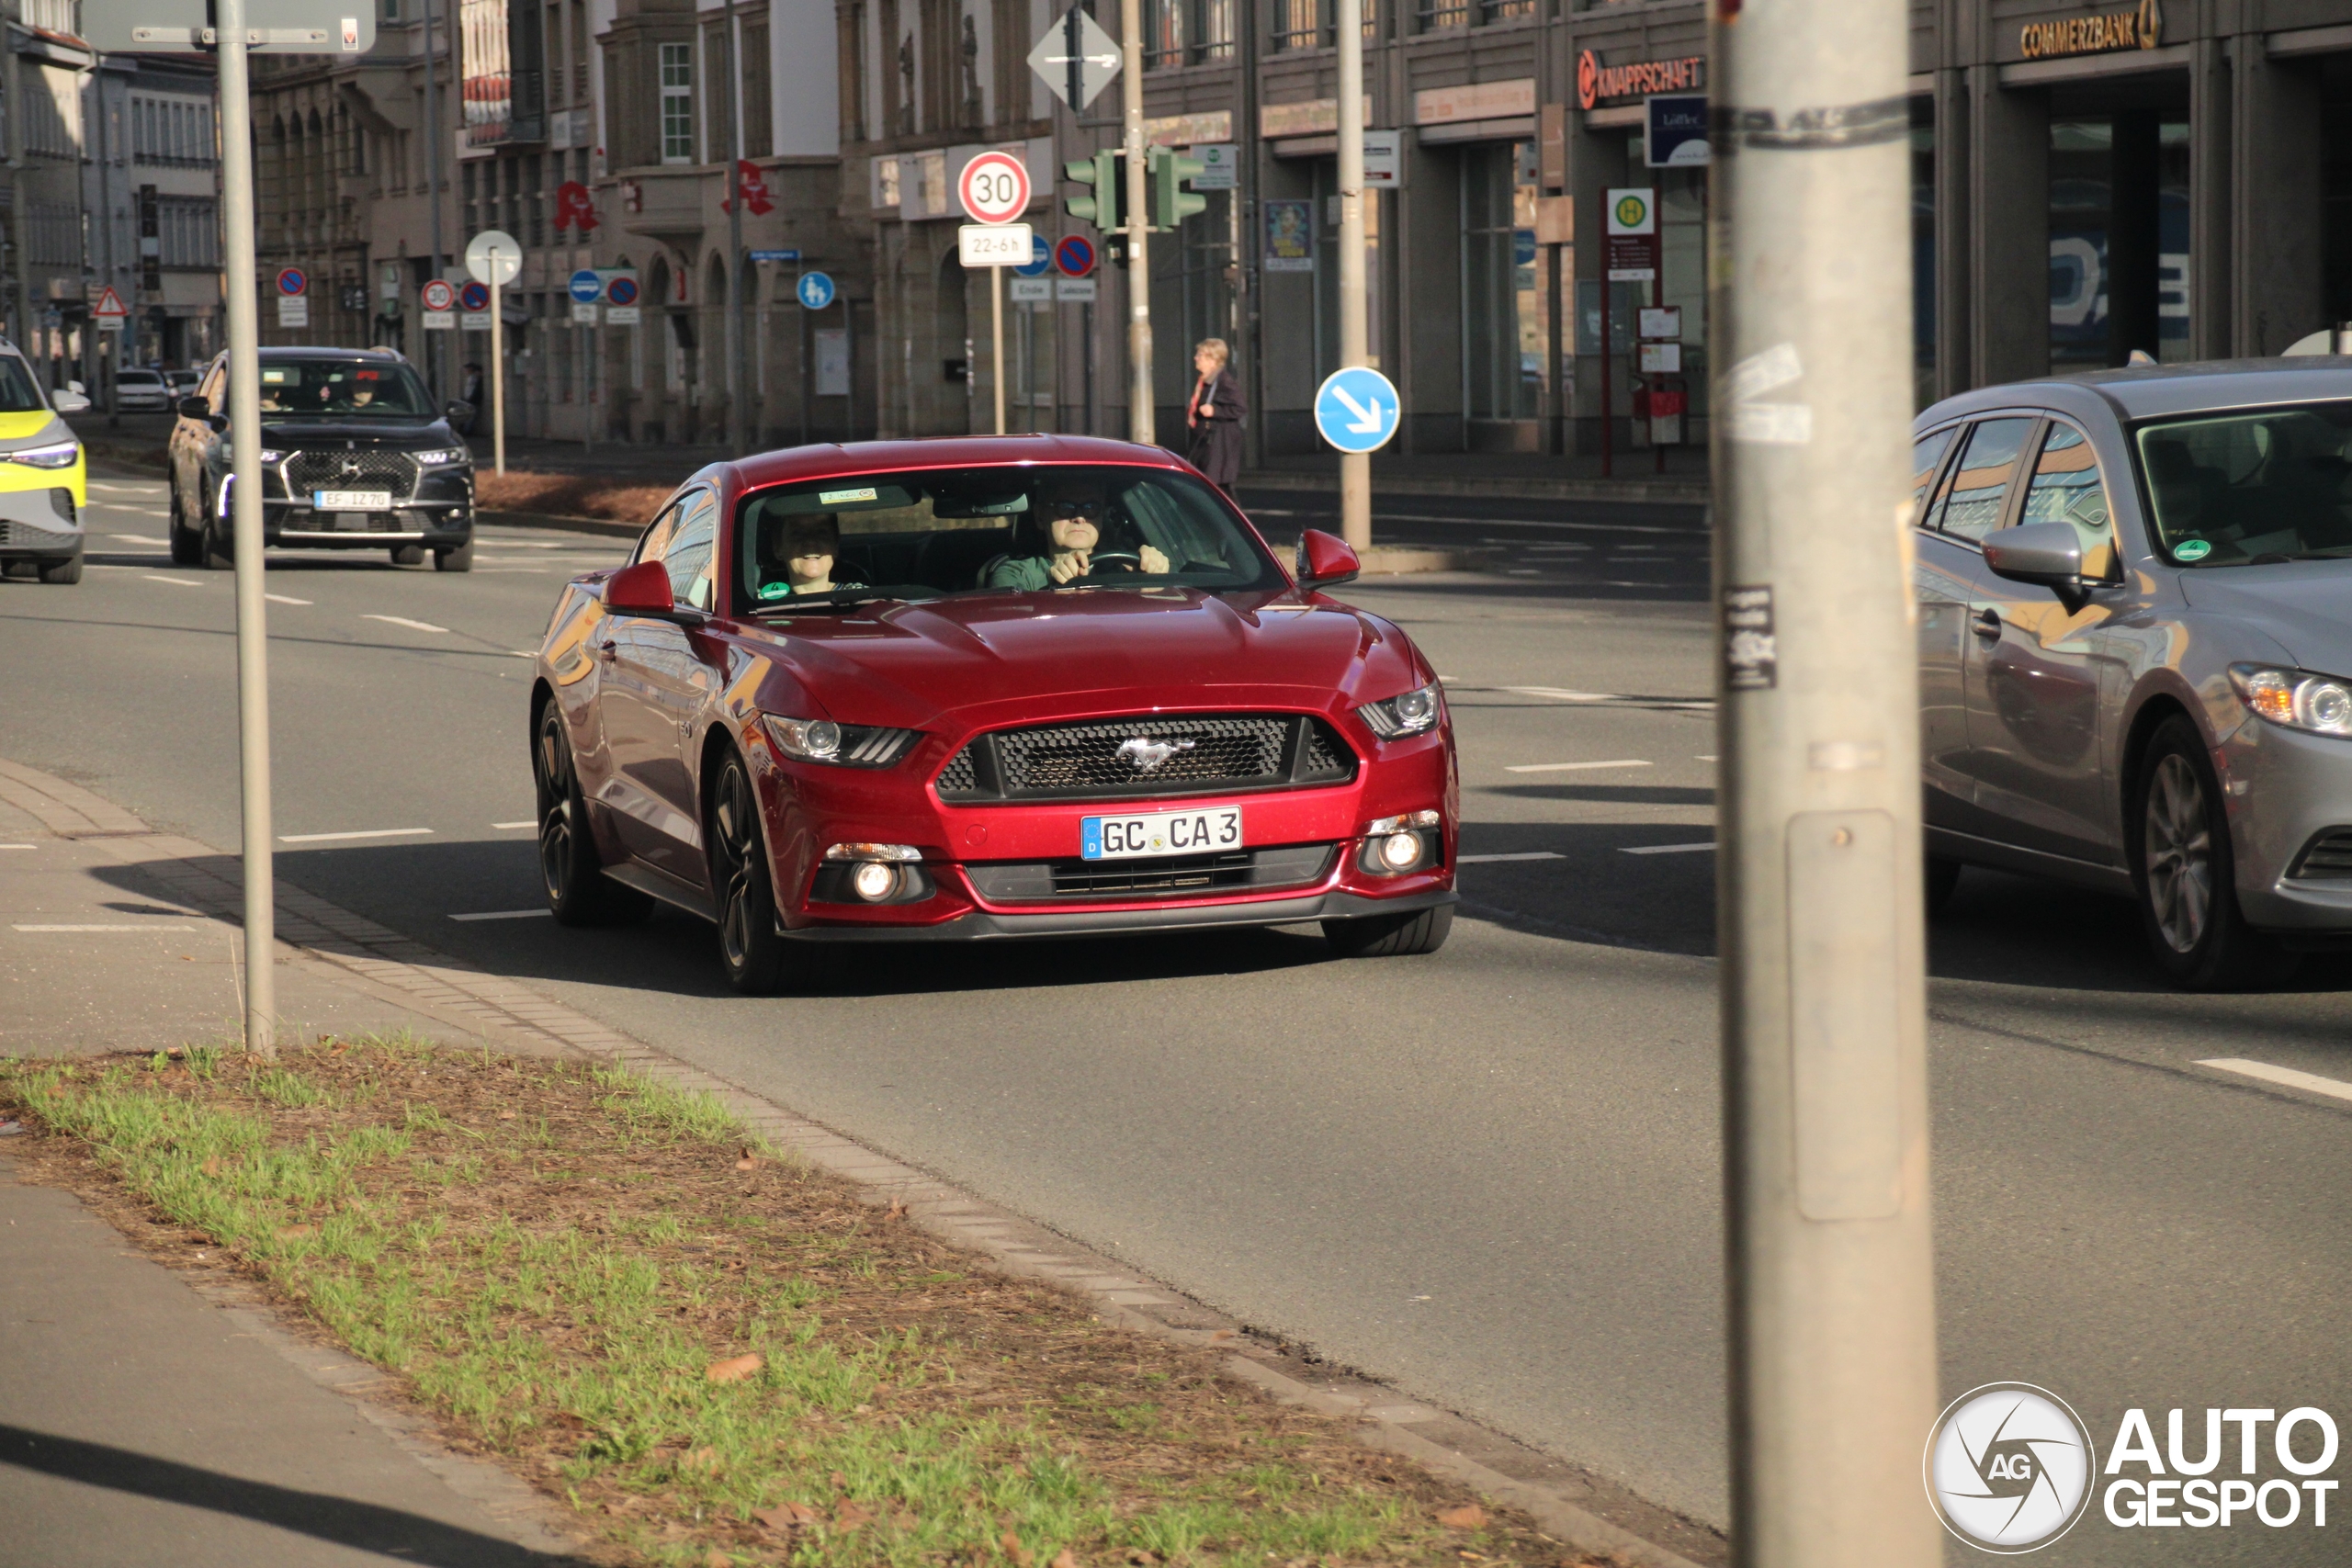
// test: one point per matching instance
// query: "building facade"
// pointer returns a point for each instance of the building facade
(150, 179)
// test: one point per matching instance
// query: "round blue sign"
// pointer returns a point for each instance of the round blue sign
(475, 295)
(1356, 410)
(815, 290)
(292, 281)
(622, 291)
(585, 286)
(1074, 257)
(1040, 258)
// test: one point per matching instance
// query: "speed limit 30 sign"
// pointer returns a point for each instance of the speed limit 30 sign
(994, 188)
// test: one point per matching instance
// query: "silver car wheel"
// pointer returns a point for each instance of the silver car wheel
(2179, 853)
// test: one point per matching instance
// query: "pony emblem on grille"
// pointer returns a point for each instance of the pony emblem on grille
(1145, 755)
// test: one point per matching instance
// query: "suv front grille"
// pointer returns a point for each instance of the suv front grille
(361, 469)
(1175, 876)
(1159, 754)
(2327, 855)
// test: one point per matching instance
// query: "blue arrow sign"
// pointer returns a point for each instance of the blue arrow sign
(586, 286)
(815, 290)
(1040, 258)
(1357, 410)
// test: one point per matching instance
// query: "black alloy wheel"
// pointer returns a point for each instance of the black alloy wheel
(750, 944)
(1390, 936)
(188, 543)
(460, 558)
(579, 893)
(2185, 873)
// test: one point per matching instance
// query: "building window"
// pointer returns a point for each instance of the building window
(1499, 10)
(677, 103)
(1434, 14)
(1215, 29)
(759, 112)
(1163, 33)
(1502, 314)
(1298, 24)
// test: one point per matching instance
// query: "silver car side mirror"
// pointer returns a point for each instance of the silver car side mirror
(68, 401)
(2047, 554)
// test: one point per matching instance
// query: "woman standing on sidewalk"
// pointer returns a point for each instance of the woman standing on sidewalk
(1214, 414)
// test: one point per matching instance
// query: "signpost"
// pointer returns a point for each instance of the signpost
(586, 288)
(439, 299)
(1074, 255)
(1357, 411)
(109, 312)
(1630, 255)
(815, 290)
(994, 190)
(494, 259)
(620, 294)
(1355, 338)
(293, 302)
(1076, 58)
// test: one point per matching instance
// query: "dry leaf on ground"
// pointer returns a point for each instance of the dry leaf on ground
(734, 1368)
(295, 1232)
(848, 1515)
(786, 1516)
(749, 1161)
(1469, 1517)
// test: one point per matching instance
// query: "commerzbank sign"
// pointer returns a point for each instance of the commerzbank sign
(2142, 27)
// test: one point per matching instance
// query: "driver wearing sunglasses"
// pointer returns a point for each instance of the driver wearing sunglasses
(1073, 535)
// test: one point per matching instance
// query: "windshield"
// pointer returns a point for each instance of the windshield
(1005, 530)
(17, 392)
(344, 389)
(2252, 489)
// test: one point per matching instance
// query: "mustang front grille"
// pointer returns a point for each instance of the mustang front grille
(364, 469)
(1156, 754)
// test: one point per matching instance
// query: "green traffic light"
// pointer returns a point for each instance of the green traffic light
(1171, 203)
(1101, 175)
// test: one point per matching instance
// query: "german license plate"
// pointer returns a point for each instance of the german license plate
(352, 500)
(1195, 832)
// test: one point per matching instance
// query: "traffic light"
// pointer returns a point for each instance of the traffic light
(1104, 175)
(1170, 202)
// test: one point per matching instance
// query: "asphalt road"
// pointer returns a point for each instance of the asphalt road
(1490, 1175)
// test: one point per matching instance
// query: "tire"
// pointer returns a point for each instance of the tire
(579, 893)
(217, 548)
(1941, 878)
(460, 559)
(752, 950)
(188, 543)
(1390, 936)
(408, 555)
(61, 571)
(2185, 871)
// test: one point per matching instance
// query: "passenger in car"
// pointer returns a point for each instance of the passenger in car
(1073, 536)
(797, 556)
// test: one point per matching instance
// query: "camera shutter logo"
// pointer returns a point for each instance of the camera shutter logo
(2009, 1467)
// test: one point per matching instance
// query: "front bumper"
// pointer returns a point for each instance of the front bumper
(2285, 790)
(41, 524)
(439, 516)
(982, 925)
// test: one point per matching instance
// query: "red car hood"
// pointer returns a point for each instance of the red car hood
(1038, 654)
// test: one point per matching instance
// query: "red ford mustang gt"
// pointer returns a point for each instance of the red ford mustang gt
(949, 690)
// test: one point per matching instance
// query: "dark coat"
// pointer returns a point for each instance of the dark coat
(1215, 447)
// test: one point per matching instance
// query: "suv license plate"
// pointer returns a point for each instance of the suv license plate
(1212, 831)
(352, 500)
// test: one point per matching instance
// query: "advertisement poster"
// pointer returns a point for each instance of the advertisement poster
(1290, 236)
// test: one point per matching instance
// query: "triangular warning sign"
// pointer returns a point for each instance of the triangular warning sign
(109, 304)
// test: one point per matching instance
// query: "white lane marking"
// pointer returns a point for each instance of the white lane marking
(1489, 860)
(526, 822)
(140, 511)
(1555, 693)
(1522, 571)
(1575, 767)
(282, 599)
(144, 928)
(362, 833)
(522, 653)
(2312, 1083)
(18, 846)
(125, 490)
(1667, 849)
(175, 581)
(508, 915)
(138, 539)
(404, 621)
(1703, 758)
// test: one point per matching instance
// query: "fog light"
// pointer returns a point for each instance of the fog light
(1401, 851)
(874, 881)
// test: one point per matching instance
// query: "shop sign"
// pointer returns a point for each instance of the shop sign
(1475, 100)
(1315, 116)
(2097, 33)
(1383, 160)
(1220, 167)
(1676, 134)
(1189, 129)
(1290, 236)
(1595, 81)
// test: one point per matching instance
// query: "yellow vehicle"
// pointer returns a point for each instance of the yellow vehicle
(44, 477)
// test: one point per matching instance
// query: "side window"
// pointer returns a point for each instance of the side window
(2066, 488)
(689, 556)
(655, 543)
(1979, 489)
(1927, 454)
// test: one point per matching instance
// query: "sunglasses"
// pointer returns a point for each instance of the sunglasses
(1065, 511)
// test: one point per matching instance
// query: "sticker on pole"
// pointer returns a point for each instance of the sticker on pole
(292, 281)
(1356, 410)
(993, 188)
(815, 290)
(1074, 256)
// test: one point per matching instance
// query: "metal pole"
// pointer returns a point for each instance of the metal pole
(1830, 1256)
(995, 341)
(738, 385)
(437, 366)
(497, 369)
(244, 456)
(1608, 413)
(808, 382)
(1139, 393)
(1356, 468)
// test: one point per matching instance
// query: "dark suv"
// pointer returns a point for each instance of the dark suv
(353, 456)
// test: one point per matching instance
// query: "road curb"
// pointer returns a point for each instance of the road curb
(505, 1012)
(604, 525)
(1659, 492)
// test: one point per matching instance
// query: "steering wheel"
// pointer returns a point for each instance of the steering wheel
(1113, 560)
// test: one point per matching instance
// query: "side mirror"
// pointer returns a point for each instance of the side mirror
(77, 389)
(194, 407)
(69, 403)
(640, 590)
(1326, 560)
(2048, 555)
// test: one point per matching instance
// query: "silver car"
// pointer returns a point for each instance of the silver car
(2135, 648)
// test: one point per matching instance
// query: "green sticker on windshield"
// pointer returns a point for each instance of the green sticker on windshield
(2192, 550)
(775, 590)
(835, 497)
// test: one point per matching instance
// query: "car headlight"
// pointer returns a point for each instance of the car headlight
(2296, 699)
(843, 745)
(61, 455)
(442, 457)
(1407, 713)
(269, 455)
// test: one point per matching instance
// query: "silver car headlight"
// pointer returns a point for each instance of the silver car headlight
(60, 455)
(2296, 699)
(1407, 713)
(844, 745)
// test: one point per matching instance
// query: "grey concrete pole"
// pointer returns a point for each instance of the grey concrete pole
(497, 369)
(1139, 394)
(245, 490)
(995, 341)
(1355, 347)
(1832, 1304)
(437, 362)
(737, 384)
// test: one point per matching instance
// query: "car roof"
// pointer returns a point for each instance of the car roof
(836, 460)
(292, 354)
(2155, 391)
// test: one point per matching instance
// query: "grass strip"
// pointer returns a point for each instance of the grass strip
(713, 1355)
